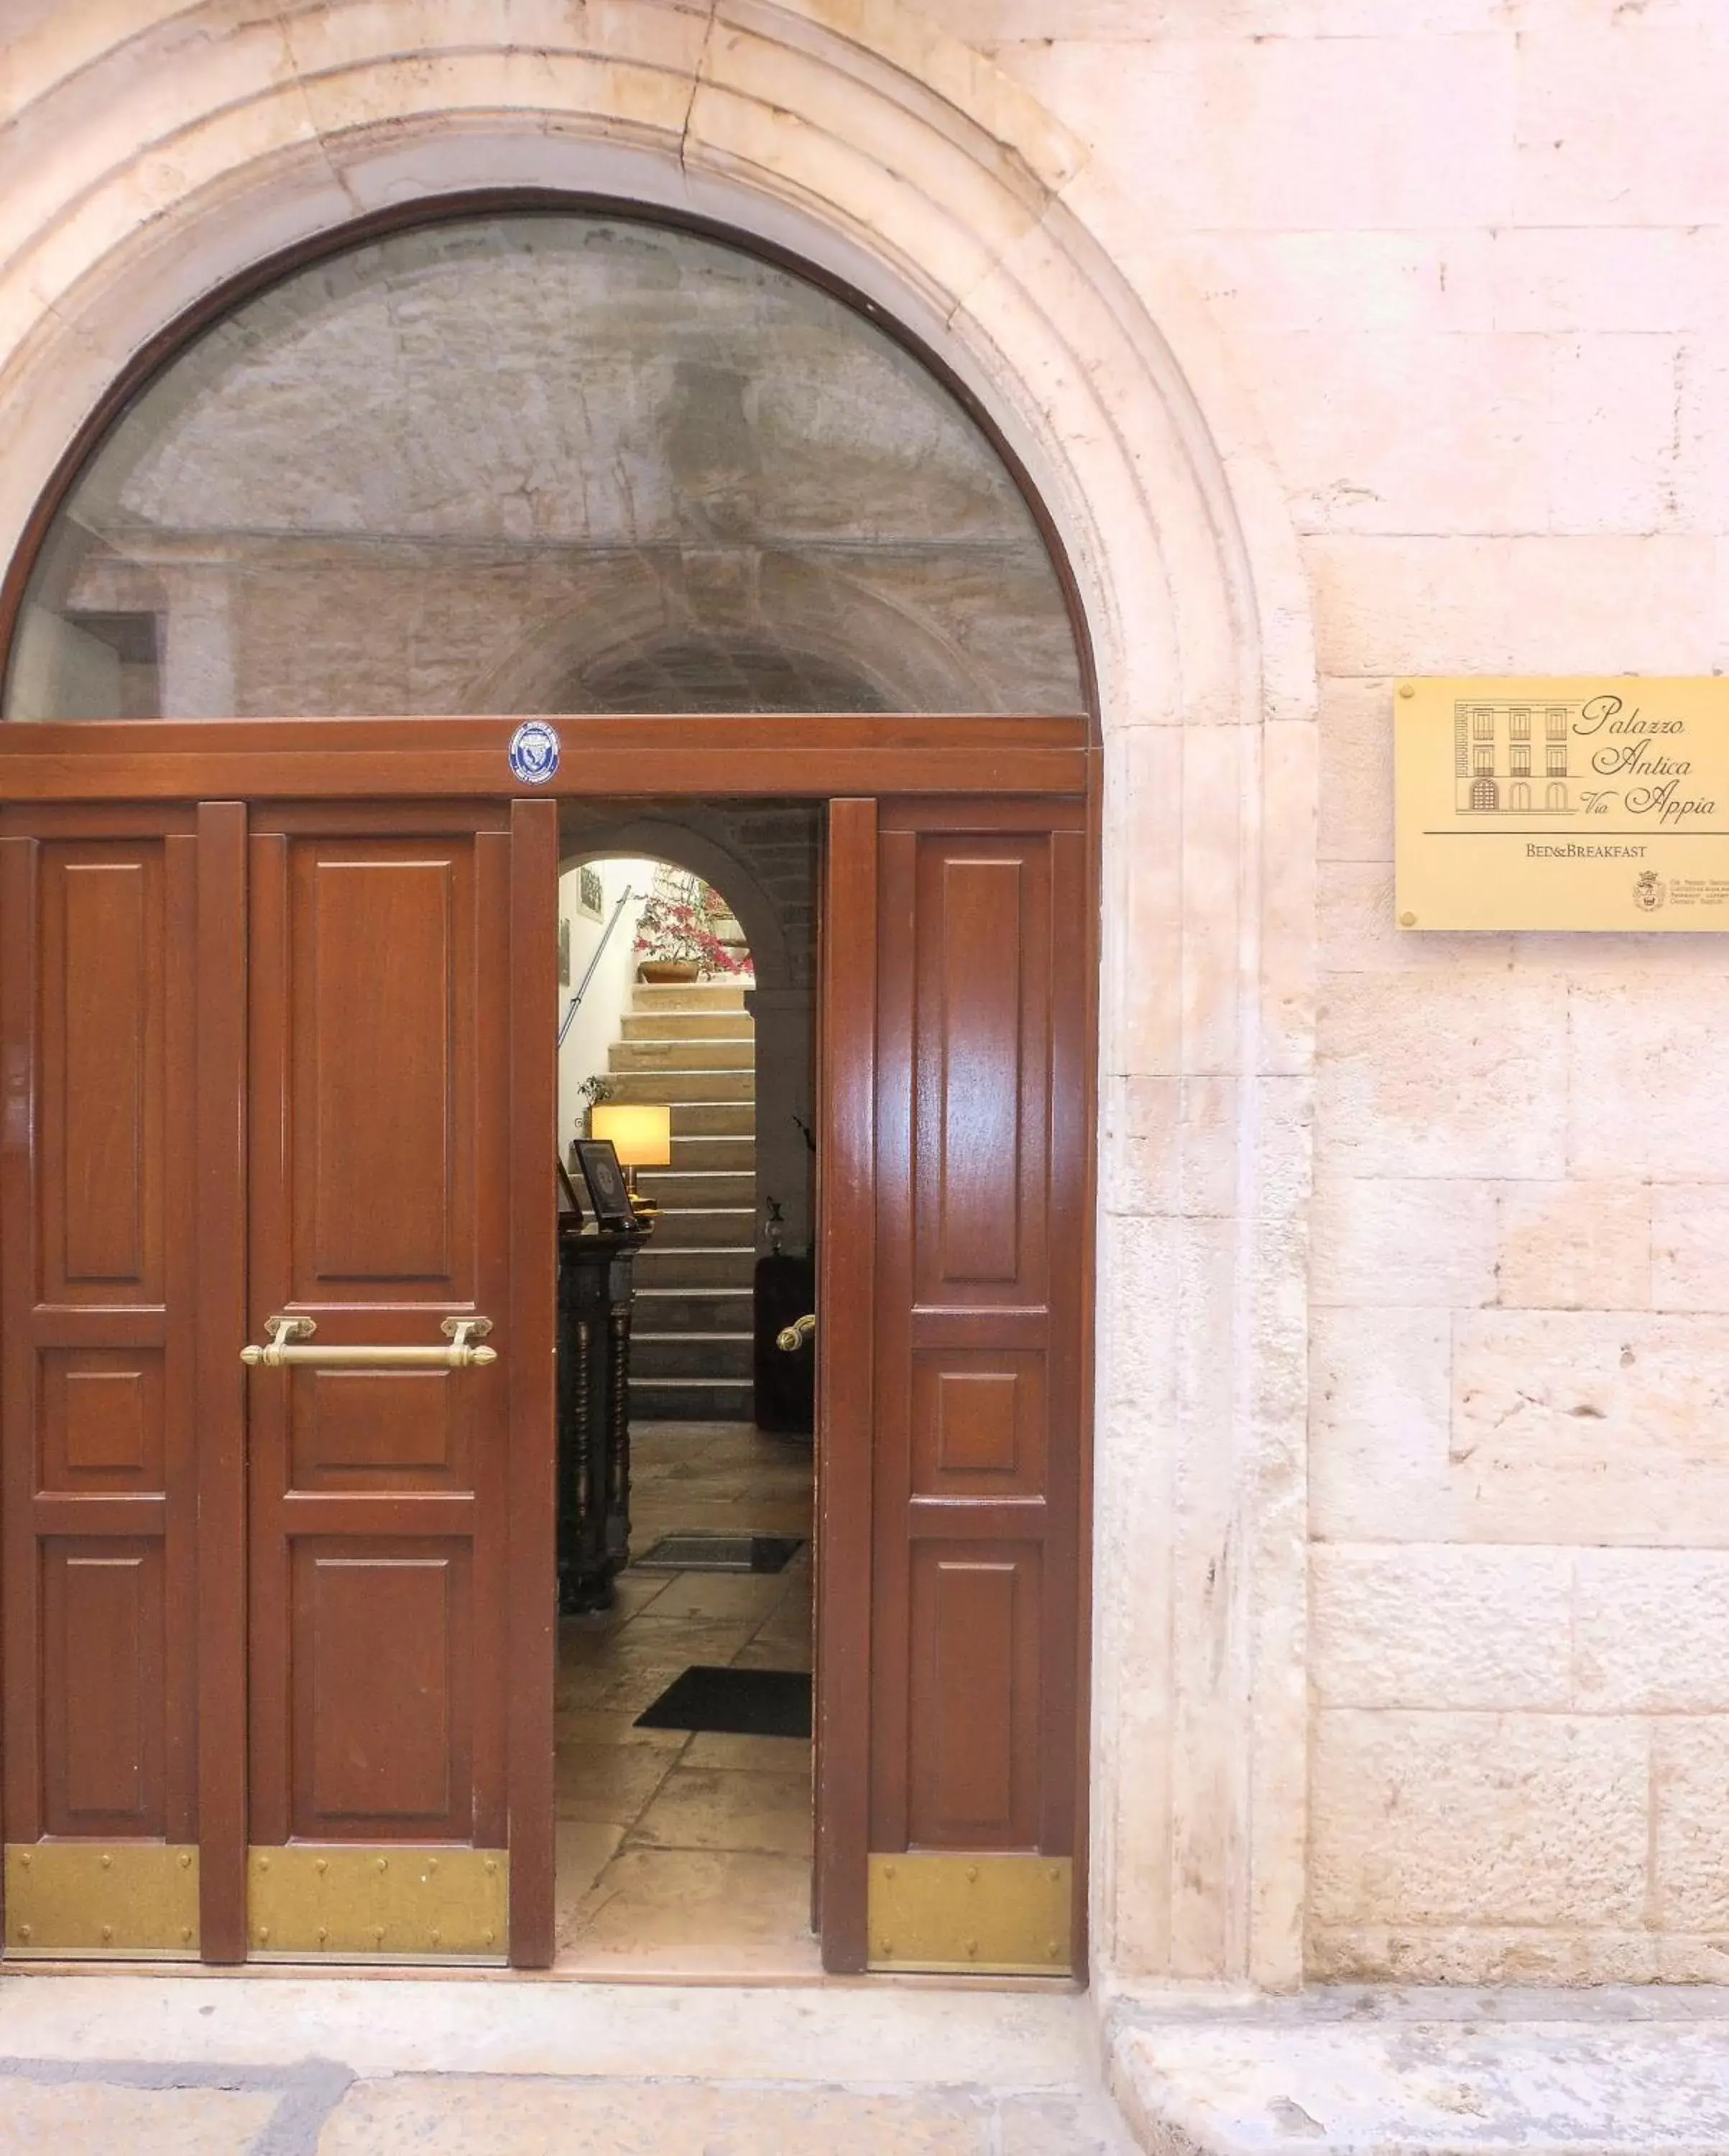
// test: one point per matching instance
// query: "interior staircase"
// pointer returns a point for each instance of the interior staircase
(691, 1342)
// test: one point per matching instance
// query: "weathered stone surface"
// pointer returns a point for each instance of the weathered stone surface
(491, 2117)
(1645, 1079)
(1577, 1245)
(1405, 2087)
(1651, 1631)
(1457, 1819)
(1427, 1241)
(1690, 1246)
(1574, 1404)
(1420, 1625)
(84, 2118)
(1427, 1075)
(1689, 1784)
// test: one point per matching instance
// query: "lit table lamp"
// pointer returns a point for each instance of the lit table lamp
(641, 1132)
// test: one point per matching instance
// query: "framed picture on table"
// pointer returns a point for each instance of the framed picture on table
(570, 1206)
(609, 1194)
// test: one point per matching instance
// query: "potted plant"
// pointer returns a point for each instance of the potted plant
(677, 934)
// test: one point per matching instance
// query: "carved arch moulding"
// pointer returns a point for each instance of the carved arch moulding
(168, 147)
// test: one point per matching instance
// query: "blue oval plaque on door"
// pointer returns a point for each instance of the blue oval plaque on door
(534, 753)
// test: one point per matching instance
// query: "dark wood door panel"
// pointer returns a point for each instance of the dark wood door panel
(379, 1206)
(973, 1731)
(381, 1655)
(382, 1106)
(103, 1014)
(980, 1202)
(105, 1687)
(103, 1428)
(980, 1423)
(981, 1008)
(381, 1430)
(96, 1297)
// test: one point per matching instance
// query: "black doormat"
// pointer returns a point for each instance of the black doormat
(712, 1553)
(741, 1702)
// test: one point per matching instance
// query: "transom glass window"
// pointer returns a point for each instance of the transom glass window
(542, 463)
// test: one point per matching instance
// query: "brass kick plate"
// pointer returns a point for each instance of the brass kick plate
(130, 1899)
(989, 1915)
(402, 1900)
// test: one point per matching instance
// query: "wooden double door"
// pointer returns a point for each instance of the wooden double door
(279, 1634)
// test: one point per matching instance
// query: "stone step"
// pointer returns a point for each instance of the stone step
(690, 1354)
(694, 1310)
(682, 1055)
(712, 1119)
(684, 1227)
(695, 1189)
(1497, 2072)
(689, 1025)
(714, 1266)
(685, 1085)
(692, 1399)
(728, 995)
(736, 1156)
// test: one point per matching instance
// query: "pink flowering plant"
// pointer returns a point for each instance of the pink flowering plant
(679, 923)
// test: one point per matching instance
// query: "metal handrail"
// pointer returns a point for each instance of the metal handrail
(606, 937)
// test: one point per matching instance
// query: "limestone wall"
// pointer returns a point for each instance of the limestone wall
(1473, 277)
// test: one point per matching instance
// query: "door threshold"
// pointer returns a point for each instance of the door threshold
(644, 1974)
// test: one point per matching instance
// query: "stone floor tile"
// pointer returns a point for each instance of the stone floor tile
(1059, 2126)
(697, 1911)
(747, 1795)
(585, 1725)
(609, 1782)
(699, 1807)
(615, 1688)
(86, 2118)
(770, 1755)
(657, 1639)
(774, 1655)
(494, 2117)
(723, 1595)
(584, 1849)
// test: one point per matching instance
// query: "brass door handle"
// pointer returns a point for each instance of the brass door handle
(285, 1334)
(794, 1335)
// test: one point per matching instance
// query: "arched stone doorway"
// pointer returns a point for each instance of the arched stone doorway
(322, 507)
(1157, 474)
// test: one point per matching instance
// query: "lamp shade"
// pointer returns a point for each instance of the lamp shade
(641, 1132)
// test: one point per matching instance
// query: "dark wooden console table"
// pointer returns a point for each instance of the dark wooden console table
(594, 1295)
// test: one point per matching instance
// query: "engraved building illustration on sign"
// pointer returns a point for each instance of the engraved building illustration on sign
(1509, 759)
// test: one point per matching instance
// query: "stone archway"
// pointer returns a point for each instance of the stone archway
(173, 146)
(737, 853)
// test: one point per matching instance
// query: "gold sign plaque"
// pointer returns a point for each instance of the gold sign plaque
(1581, 802)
